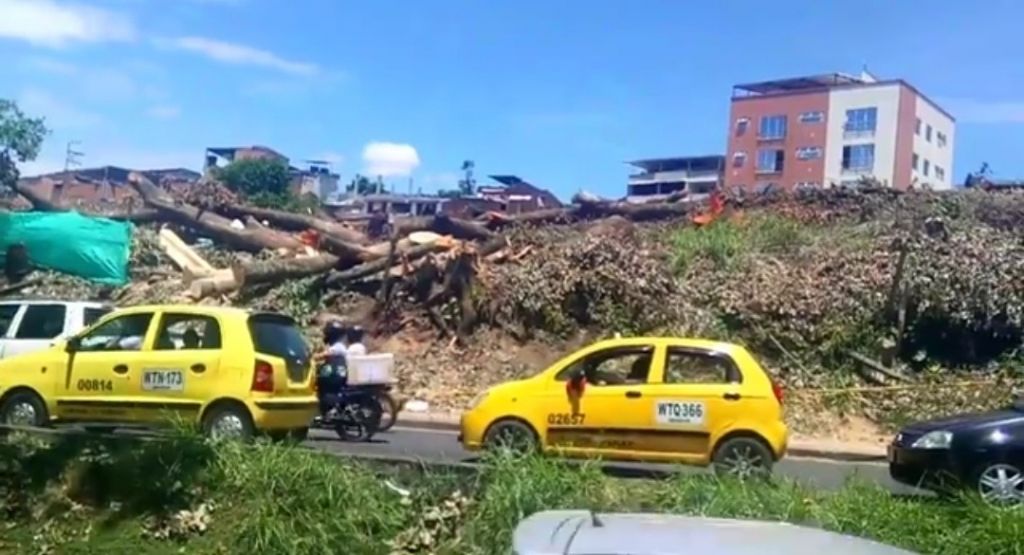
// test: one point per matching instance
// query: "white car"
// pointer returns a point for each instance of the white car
(29, 326)
(587, 533)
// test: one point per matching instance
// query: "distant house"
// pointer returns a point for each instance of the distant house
(514, 195)
(660, 178)
(104, 185)
(384, 203)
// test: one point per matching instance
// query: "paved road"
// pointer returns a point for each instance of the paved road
(431, 445)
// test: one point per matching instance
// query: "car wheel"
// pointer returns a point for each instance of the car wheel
(743, 458)
(24, 409)
(1001, 484)
(511, 435)
(228, 422)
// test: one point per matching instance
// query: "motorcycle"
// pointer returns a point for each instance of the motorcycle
(389, 405)
(353, 413)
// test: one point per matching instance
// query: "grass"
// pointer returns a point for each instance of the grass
(278, 499)
(725, 242)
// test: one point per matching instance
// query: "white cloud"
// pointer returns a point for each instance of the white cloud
(165, 112)
(390, 159)
(969, 110)
(54, 24)
(58, 113)
(238, 54)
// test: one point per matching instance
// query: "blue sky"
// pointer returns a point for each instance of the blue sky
(559, 92)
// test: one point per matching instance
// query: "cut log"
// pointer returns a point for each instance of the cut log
(213, 225)
(186, 258)
(278, 270)
(445, 225)
(297, 222)
(337, 279)
(220, 283)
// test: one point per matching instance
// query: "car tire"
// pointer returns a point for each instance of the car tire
(24, 408)
(228, 422)
(743, 458)
(511, 435)
(999, 484)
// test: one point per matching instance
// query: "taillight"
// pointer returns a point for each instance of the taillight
(263, 377)
(777, 390)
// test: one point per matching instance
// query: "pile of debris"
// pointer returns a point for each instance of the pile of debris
(889, 286)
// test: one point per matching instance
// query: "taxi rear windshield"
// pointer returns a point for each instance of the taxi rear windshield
(278, 336)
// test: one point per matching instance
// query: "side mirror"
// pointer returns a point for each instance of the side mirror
(73, 344)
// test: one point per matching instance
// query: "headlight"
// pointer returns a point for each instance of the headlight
(934, 440)
(477, 399)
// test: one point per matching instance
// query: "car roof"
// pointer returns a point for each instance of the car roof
(697, 343)
(87, 304)
(228, 311)
(576, 532)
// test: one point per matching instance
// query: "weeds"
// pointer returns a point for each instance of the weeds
(725, 242)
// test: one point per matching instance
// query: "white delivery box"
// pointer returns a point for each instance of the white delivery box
(370, 369)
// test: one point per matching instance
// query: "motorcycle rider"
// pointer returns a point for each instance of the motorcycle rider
(355, 341)
(332, 369)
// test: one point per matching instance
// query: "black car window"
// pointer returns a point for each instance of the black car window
(122, 333)
(42, 321)
(90, 315)
(616, 366)
(187, 332)
(7, 314)
(278, 336)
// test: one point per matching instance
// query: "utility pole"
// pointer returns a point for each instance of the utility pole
(70, 159)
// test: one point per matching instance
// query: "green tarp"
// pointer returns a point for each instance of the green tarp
(96, 249)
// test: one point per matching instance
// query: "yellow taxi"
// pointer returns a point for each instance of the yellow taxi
(657, 399)
(233, 372)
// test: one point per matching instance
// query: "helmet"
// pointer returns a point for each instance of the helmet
(355, 334)
(334, 331)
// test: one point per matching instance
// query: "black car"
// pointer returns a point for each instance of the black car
(983, 452)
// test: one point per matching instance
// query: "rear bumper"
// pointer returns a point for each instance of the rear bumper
(283, 414)
(472, 427)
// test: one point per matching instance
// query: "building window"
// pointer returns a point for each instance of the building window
(940, 138)
(928, 133)
(940, 173)
(808, 153)
(926, 167)
(917, 127)
(859, 158)
(770, 160)
(812, 117)
(861, 120)
(914, 162)
(741, 126)
(773, 127)
(739, 159)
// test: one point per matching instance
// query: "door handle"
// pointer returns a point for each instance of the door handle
(731, 396)
(199, 367)
(121, 369)
(634, 394)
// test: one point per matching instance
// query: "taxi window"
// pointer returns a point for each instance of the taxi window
(187, 332)
(628, 365)
(7, 314)
(687, 366)
(122, 333)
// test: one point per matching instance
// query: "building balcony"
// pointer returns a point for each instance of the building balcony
(675, 176)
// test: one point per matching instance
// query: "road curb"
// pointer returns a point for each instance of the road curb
(797, 448)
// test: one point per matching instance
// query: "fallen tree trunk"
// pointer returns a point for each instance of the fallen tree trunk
(43, 204)
(340, 278)
(445, 225)
(215, 226)
(276, 271)
(297, 222)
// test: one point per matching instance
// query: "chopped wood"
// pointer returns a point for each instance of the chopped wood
(184, 256)
(297, 222)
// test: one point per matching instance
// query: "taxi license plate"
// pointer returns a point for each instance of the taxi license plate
(163, 380)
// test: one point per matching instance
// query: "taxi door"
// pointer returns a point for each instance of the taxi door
(612, 414)
(179, 373)
(695, 399)
(102, 374)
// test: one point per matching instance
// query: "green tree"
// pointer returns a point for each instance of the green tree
(263, 182)
(20, 140)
